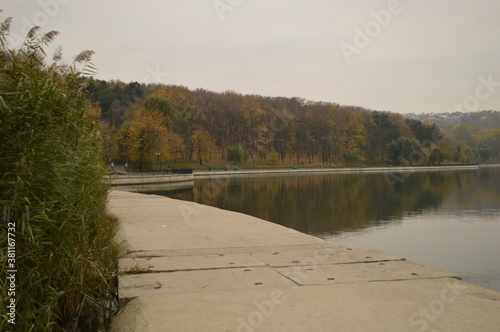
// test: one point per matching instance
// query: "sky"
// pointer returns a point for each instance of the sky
(405, 56)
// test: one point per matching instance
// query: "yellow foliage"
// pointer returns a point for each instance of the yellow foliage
(176, 146)
(203, 144)
(146, 136)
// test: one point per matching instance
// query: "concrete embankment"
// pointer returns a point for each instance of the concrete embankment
(142, 179)
(331, 170)
(137, 180)
(190, 267)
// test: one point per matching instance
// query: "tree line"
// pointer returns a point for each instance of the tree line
(230, 128)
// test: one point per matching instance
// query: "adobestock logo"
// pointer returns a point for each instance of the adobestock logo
(224, 6)
(264, 309)
(483, 91)
(372, 29)
(425, 316)
(156, 74)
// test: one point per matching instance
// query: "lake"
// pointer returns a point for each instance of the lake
(445, 219)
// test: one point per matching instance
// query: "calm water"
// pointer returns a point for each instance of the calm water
(448, 220)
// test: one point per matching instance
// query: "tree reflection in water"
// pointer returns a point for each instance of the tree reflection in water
(329, 204)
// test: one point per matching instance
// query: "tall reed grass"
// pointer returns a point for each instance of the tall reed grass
(51, 188)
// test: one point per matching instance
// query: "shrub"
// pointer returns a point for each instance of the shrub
(235, 154)
(52, 191)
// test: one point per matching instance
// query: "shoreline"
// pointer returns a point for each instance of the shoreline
(338, 170)
(152, 178)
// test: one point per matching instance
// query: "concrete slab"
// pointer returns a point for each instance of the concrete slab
(146, 284)
(179, 263)
(217, 251)
(130, 200)
(444, 305)
(322, 256)
(361, 272)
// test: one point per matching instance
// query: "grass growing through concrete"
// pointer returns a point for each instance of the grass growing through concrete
(135, 269)
(55, 233)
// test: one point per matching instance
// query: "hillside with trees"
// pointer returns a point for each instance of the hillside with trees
(220, 129)
(476, 133)
(446, 120)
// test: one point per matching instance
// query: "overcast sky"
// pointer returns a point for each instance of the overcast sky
(400, 56)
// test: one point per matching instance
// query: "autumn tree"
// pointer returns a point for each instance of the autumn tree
(448, 148)
(492, 141)
(175, 146)
(203, 145)
(355, 137)
(110, 138)
(188, 109)
(145, 136)
(114, 98)
(464, 154)
(255, 121)
(464, 134)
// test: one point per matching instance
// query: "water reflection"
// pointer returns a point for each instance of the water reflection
(331, 204)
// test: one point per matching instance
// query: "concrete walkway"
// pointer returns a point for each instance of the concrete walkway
(192, 267)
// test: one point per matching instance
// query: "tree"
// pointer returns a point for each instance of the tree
(175, 146)
(463, 134)
(114, 98)
(493, 142)
(356, 136)
(381, 131)
(255, 126)
(351, 157)
(235, 154)
(162, 105)
(146, 136)
(448, 148)
(203, 144)
(436, 157)
(109, 137)
(425, 133)
(404, 150)
(464, 154)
